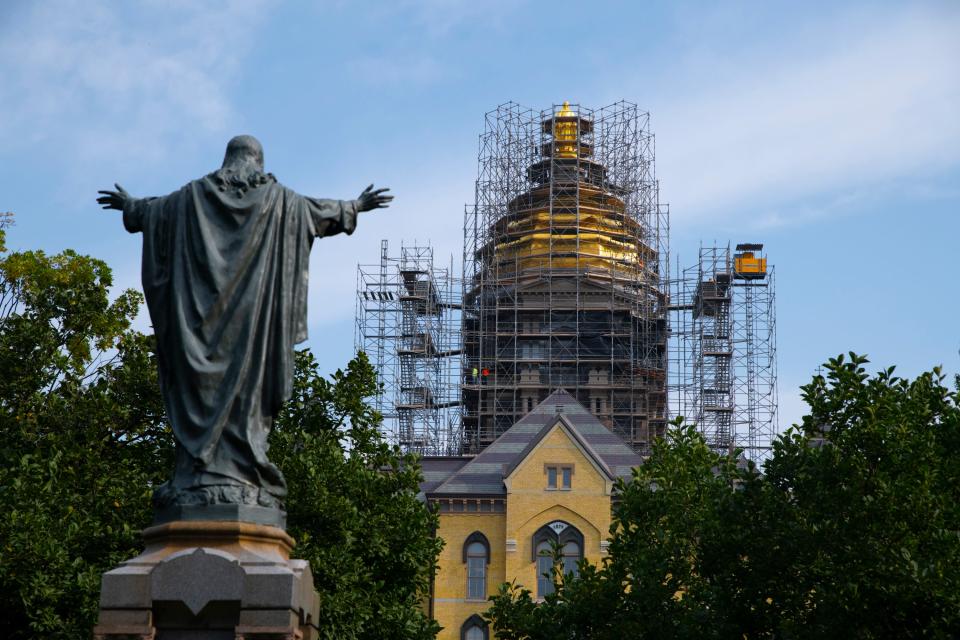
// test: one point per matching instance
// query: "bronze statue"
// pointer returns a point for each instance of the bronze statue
(225, 263)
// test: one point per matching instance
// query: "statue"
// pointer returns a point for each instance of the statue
(225, 262)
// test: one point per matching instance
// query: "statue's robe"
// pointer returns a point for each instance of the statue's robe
(225, 277)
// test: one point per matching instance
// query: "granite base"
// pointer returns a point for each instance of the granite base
(210, 579)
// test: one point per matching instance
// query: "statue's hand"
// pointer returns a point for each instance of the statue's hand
(372, 199)
(114, 199)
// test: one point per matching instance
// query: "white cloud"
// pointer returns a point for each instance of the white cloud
(98, 87)
(411, 52)
(833, 206)
(97, 81)
(424, 213)
(397, 70)
(439, 18)
(866, 104)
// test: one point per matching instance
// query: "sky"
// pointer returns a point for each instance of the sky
(829, 131)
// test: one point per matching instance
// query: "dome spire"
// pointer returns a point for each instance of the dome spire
(566, 132)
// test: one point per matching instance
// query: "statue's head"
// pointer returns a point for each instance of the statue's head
(242, 168)
(242, 150)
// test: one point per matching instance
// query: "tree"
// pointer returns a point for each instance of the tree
(852, 530)
(874, 472)
(82, 434)
(353, 507)
(84, 441)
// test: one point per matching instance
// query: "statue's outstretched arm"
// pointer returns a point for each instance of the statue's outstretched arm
(330, 217)
(133, 208)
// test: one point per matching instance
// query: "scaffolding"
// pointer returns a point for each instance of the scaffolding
(723, 367)
(408, 323)
(565, 271)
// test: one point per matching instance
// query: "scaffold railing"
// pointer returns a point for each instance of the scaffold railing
(408, 323)
(566, 256)
(723, 365)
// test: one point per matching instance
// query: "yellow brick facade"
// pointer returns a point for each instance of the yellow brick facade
(509, 523)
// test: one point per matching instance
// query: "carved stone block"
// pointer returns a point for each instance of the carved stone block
(211, 580)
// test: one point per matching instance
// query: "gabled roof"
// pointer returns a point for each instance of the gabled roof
(483, 474)
(437, 469)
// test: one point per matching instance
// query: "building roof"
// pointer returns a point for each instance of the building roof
(436, 469)
(483, 475)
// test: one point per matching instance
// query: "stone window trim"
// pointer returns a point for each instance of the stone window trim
(474, 622)
(476, 536)
(547, 534)
(559, 467)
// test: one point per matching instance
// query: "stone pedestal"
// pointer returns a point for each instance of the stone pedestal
(211, 580)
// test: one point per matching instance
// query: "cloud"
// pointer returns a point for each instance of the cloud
(833, 206)
(410, 51)
(439, 18)
(423, 214)
(865, 103)
(92, 88)
(397, 70)
(99, 80)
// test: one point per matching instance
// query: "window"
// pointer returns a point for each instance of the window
(476, 555)
(571, 555)
(571, 542)
(476, 572)
(474, 629)
(544, 569)
(562, 474)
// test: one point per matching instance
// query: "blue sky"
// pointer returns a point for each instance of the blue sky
(829, 131)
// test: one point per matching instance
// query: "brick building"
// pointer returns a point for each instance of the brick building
(549, 478)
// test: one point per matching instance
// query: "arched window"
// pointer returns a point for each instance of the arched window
(476, 555)
(544, 569)
(474, 629)
(571, 556)
(570, 540)
(560, 532)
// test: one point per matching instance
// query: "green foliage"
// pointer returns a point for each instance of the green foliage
(579, 608)
(83, 439)
(84, 442)
(352, 507)
(879, 541)
(853, 529)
